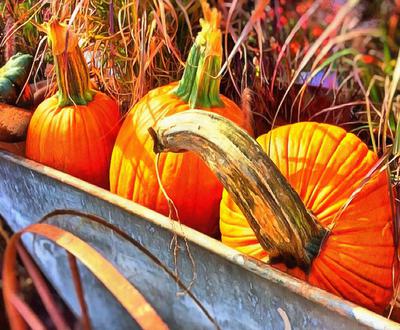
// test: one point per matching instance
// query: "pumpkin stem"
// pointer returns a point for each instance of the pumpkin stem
(273, 209)
(199, 85)
(71, 68)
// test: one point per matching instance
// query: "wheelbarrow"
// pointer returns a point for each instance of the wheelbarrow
(190, 279)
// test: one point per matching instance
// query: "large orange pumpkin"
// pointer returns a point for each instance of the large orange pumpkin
(332, 226)
(325, 166)
(75, 130)
(192, 187)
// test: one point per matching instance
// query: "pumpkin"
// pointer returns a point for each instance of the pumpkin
(75, 130)
(13, 76)
(305, 198)
(197, 193)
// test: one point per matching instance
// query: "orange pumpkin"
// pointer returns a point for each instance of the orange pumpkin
(75, 130)
(192, 187)
(332, 226)
(325, 165)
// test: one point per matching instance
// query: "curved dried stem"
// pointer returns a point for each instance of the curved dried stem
(273, 209)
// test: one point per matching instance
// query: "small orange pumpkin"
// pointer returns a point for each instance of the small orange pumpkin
(193, 188)
(73, 131)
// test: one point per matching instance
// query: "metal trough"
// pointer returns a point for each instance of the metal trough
(235, 291)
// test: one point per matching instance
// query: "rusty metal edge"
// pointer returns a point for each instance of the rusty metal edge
(329, 301)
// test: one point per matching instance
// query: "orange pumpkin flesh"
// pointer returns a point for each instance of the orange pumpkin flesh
(73, 131)
(193, 188)
(325, 165)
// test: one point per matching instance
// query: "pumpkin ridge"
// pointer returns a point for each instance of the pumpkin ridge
(53, 134)
(282, 162)
(117, 169)
(381, 253)
(117, 161)
(361, 244)
(309, 166)
(281, 140)
(138, 181)
(364, 262)
(239, 226)
(355, 230)
(346, 290)
(104, 131)
(332, 211)
(352, 209)
(44, 148)
(131, 190)
(325, 178)
(71, 132)
(58, 128)
(320, 276)
(87, 120)
(35, 123)
(326, 139)
(196, 184)
(123, 143)
(287, 137)
(276, 159)
(343, 187)
(290, 177)
(358, 283)
(66, 136)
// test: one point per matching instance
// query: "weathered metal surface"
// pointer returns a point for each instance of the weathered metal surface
(239, 293)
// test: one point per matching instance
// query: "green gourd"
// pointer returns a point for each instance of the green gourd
(13, 76)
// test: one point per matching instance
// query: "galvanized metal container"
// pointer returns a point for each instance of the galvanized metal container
(229, 288)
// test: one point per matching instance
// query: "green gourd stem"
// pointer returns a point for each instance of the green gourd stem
(71, 69)
(200, 83)
(275, 212)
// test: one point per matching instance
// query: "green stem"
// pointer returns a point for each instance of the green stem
(71, 68)
(200, 83)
